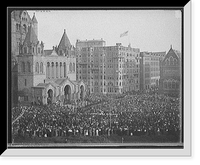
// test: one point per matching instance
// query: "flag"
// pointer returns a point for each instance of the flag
(124, 34)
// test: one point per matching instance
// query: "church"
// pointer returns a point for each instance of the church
(47, 76)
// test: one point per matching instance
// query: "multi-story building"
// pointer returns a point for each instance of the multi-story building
(20, 21)
(121, 69)
(47, 76)
(90, 54)
(170, 77)
(150, 69)
(107, 69)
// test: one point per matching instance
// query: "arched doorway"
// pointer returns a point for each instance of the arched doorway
(50, 96)
(67, 94)
(81, 93)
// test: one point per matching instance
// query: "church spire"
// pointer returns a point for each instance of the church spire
(31, 37)
(64, 42)
(34, 20)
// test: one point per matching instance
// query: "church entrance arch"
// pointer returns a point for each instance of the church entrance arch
(81, 92)
(67, 94)
(50, 96)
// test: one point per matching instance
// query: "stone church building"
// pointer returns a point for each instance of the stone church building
(47, 76)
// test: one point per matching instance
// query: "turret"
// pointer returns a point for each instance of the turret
(35, 24)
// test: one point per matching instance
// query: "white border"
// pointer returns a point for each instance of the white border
(186, 151)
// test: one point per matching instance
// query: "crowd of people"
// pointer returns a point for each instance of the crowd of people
(130, 115)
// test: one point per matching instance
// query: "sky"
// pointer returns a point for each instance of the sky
(148, 30)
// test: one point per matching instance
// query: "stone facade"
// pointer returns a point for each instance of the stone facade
(47, 76)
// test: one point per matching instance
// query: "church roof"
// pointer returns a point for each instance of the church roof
(30, 37)
(48, 52)
(60, 81)
(64, 42)
(34, 20)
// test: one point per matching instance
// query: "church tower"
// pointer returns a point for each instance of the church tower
(30, 65)
(35, 24)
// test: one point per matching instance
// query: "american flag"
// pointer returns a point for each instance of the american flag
(124, 34)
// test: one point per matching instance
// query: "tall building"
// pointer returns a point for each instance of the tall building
(150, 69)
(170, 79)
(20, 21)
(47, 76)
(121, 69)
(107, 69)
(90, 69)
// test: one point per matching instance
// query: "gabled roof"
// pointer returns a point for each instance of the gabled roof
(64, 42)
(173, 52)
(30, 37)
(34, 20)
(60, 81)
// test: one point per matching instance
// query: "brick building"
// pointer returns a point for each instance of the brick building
(107, 69)
(170, 77)
(150, 69)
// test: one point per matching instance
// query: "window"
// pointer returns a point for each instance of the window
(38, 50)
(41, 67)
(73, 67)
(64, 69)
(23, 67)
(37, 67)
(167, 62)
(25, 49)
(171, 60)
(25, 82)
(70, 67)
(169, 84)
(29, 67)
(24, 28)
(173, 84)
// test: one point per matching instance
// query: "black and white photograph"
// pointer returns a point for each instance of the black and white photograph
(97, 78)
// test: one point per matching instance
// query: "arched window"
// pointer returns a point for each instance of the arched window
(73, 67)
(41, 67)
(169, 84)
(24, 28)
(48, 70)
(25, 50)
(173, 84)
(56, 69)
(167, 62)
(29, 66)
(37, 67)
(175, 61)
(64, 69)
(70, 67)
(177, 84)
(52, 70)
(60, 69)
(23, 67)
(171, 59)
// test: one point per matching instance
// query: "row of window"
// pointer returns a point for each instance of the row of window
(171, 84)
(72, 66)
(171, 61)
(32, 50)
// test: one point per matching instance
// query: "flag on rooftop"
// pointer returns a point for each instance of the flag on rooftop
(124, 34)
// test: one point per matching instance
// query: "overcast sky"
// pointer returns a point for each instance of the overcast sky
(148, 30)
